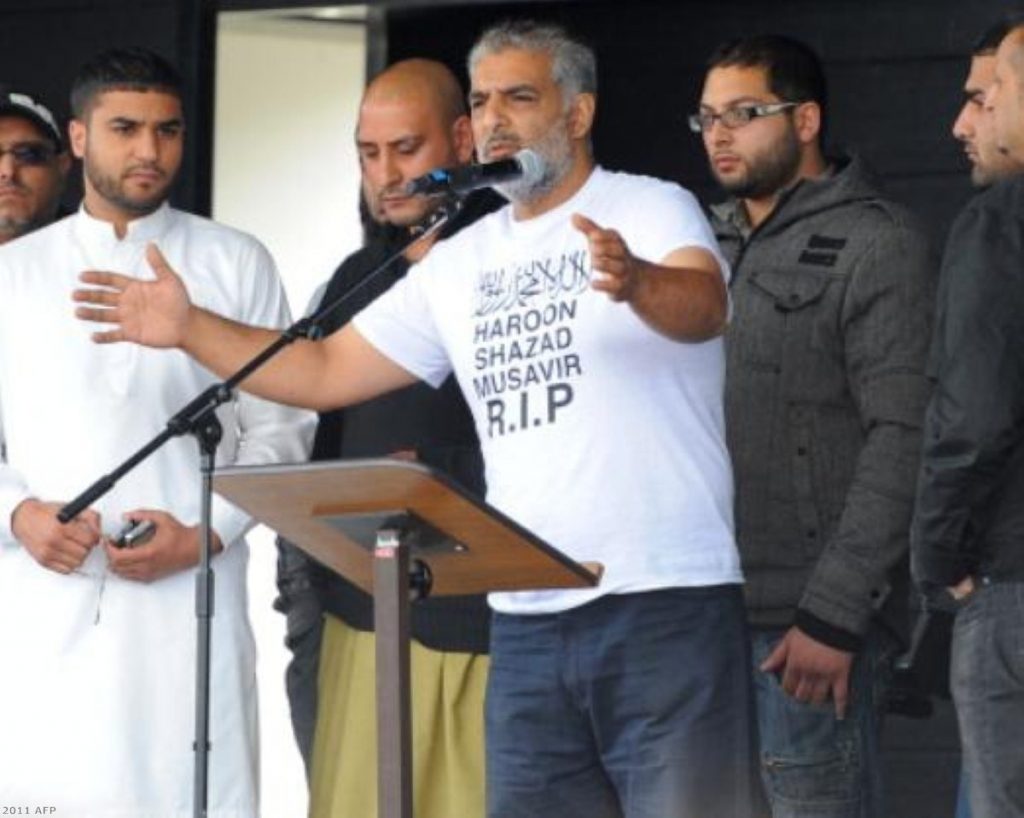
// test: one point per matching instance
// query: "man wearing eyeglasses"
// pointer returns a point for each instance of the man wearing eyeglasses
(33, 165)
(825, 392)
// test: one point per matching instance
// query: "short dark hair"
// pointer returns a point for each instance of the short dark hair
(122, 69)
(794, 70)
(988, 43)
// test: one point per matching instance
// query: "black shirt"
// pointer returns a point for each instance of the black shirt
(435, 423)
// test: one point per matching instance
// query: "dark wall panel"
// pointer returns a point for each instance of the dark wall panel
(895, 70)
(43, 42)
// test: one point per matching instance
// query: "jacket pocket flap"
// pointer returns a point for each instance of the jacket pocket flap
(790, 290)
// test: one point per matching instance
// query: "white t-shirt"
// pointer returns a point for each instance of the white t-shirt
(599, 435)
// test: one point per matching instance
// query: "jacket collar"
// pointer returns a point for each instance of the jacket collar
(850, 181)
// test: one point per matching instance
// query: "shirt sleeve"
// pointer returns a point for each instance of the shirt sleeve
(13, 490)
(13, 487)
(267, 432)
(401, 323)
(671, 219)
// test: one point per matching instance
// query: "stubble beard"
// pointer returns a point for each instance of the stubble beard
(13, 228)
(982, 176)
(111, 189)
(1008, 122)
(768, 173)
(991, 163)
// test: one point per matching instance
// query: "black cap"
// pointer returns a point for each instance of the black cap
(15, 104)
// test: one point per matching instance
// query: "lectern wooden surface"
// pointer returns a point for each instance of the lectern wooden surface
(303, 502)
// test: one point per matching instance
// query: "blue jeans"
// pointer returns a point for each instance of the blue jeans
(987, 679)
(814, 765)
(633, 706)
(963, 804)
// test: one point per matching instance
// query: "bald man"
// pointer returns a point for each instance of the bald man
(412, 119)
(967, 541)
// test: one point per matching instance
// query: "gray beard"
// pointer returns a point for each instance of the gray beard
(555, 152)
(525, 191)
(15, 228)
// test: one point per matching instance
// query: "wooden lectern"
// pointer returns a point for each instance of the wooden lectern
(398, 530)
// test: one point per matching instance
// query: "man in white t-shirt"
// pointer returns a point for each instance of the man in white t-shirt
(582, 323)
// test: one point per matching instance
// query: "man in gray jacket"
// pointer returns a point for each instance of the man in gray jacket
(832, 294)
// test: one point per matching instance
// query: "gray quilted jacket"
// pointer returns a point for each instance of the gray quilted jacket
(833, 298)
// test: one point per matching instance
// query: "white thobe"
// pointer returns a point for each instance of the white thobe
(97, 672)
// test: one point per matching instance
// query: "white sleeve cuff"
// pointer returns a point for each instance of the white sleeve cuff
(13, 492)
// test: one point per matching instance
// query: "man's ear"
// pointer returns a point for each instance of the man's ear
(807, 119)
(462, 139)
(77, 133)
(581, 115)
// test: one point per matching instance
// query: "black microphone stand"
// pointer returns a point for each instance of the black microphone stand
(199, 419)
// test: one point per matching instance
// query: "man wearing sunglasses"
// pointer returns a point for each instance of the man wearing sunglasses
(825, 392)
(33, 165)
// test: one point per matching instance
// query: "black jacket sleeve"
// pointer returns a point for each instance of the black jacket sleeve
(972, 425)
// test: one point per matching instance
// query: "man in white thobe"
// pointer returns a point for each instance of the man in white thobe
(98, 643)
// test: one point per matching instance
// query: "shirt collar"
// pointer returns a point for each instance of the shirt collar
(139, 231)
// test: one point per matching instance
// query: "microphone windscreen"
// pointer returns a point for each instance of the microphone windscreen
(532, 165)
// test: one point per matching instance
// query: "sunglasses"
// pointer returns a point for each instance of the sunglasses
(29, 154)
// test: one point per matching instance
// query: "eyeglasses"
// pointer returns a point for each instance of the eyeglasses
(29, 154)
(737, 116)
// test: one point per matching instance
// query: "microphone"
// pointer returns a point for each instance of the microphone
(525, 165)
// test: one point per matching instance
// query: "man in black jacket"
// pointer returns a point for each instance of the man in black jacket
(412, 119)
(825, 392)
(974, 128)
(969, 520)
